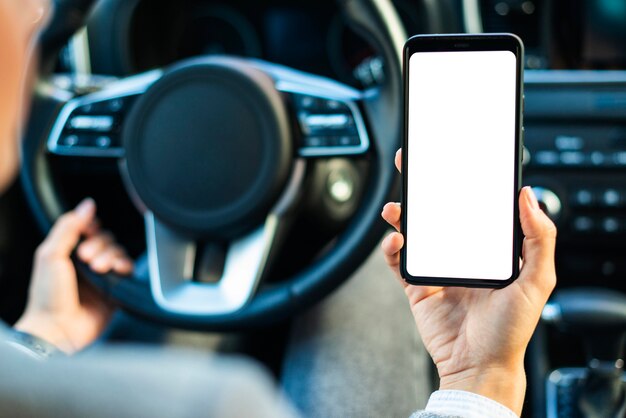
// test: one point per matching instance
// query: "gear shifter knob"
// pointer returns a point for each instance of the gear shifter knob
(589, 308)
(598, 316)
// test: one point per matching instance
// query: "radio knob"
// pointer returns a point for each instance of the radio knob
(549, 202)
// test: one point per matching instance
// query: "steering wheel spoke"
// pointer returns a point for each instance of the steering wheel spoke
(176, 283)
(329, 126)
(91, 125)
(329, 121)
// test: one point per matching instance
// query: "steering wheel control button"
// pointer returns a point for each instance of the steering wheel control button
(103, 142)
(116, 105)
(329, 126)
(338, 122)
(316, 141)
(91, 125)
(208, 147)
(69, 140)
(347, 141)
(90, 130)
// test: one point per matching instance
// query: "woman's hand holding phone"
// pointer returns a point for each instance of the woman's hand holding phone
(477, 337)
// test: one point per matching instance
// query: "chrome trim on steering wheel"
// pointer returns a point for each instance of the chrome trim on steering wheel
(393, 23)
(472, 19)
(171, 259)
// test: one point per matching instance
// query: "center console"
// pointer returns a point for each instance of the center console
(575, 154)
(575, 159)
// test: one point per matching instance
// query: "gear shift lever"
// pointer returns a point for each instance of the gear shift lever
(598, 316)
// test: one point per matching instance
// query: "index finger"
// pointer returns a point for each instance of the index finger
(66, 232)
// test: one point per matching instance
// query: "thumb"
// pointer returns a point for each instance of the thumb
(539, 241)
(67, 230)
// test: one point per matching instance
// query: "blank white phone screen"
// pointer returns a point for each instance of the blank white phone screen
(461, 164)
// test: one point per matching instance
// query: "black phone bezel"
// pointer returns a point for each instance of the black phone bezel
(466, 42)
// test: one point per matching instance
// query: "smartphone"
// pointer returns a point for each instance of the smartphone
(461, 159)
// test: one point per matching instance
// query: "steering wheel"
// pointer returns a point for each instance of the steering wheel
(214, 149)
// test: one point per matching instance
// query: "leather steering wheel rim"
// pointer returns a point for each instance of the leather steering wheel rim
(374, 19)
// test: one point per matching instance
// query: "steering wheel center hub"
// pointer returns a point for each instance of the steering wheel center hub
(208, 148)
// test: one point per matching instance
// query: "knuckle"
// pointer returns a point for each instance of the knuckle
(551, 231)
(65, 221)
(553, 282)
(550, 282)
(44, 252)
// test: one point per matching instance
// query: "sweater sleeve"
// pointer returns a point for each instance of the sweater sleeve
(28, 344)
(461, 404)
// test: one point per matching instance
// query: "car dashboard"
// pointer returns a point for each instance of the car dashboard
(575, 87)
(308, 35)
(574, 119)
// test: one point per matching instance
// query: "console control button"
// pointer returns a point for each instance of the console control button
(583, 224)
(583, 198)
(610, 225)
(620, 158)
(598, 158)
(546, 158)
(569, 142)
(572, 158)
(611, 198)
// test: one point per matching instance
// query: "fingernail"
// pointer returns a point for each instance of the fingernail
(385, 242)
(398, 152)
(85, 207)
(531, 198)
